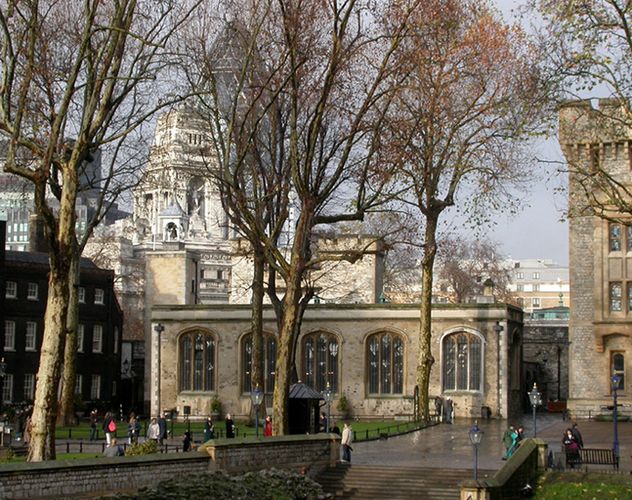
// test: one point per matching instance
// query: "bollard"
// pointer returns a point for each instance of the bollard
(67, 447)
(81, 446)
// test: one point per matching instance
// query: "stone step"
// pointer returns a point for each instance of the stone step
(373, 482)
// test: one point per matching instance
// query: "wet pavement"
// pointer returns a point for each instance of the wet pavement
(448, 445)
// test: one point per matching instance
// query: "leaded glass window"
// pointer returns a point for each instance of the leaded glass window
(320, 361)
(462, 362)
(269, 363)
(385, 364)
(197, 362)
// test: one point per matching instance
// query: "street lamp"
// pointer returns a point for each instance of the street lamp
(536, 400)
(616, 380)
(3, 371)
(256, 396)
(476, 435)
(328, 395)
(158, 328)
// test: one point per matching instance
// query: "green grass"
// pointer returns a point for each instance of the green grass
(362, 429)
(584, 486)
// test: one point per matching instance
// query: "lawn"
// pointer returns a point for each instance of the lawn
(584, 486)
(370, 429)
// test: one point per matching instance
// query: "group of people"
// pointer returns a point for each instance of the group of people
(157, 431)
(572, 442)
(444, 409)
(511, 440)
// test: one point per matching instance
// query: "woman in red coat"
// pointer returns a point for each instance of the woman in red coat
(267, 427)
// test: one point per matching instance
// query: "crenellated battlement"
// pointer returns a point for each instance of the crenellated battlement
(581, 123)
(593, 136)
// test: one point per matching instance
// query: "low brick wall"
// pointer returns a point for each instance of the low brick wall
(309, 453)
(90, 477)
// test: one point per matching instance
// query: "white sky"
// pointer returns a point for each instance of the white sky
(537, 231)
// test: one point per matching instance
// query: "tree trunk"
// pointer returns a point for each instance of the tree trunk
(49, 370)
(67, 415)
(61, 236)
(287, 330)
(257, 319)
(425, 359)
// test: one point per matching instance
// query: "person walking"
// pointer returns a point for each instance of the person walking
(267, 426)
(109, 427)
(571, 449)
(186, 442)
(323, 422)
(345, 441)
(93, 424)
(133, 429)
(448, 410)
(162, 424)
(230, 426)
(209, 429)
(508, 441)
(577, 435)
(153, 431)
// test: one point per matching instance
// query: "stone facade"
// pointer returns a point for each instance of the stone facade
(600, 268)
(498, 326)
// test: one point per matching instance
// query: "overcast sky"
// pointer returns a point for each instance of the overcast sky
(537, 231)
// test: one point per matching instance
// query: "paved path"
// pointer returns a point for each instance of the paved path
(448, 445)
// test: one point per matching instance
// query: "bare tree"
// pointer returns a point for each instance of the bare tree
(471, 94)
(74, 80)
(464, 265)
(589, 47)
(309, 91)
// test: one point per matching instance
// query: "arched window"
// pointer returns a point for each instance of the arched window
(197, 362)
(320, 361)
(462, 362)
(385, 364)
(269, 363)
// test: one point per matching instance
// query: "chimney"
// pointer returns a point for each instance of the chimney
(37, 236)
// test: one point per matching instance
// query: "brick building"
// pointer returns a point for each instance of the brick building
(23, 288)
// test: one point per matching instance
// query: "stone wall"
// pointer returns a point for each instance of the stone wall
(595, 140)
(62, 479)
(352, 325)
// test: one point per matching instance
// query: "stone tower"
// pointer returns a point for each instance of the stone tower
(596, 140)
(177, 204)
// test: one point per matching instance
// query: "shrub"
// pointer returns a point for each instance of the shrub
(146, 448)
(344, 408)
(269, 484)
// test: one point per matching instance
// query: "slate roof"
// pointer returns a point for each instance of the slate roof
(40, 258)
(303, 391)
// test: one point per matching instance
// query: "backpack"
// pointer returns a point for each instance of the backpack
(112, 426)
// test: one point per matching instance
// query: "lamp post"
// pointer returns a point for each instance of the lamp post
(476, 435)
(158, 329)
(536, 400)
(616, 380)
(328, 395)
(3, 371)
(256, 397)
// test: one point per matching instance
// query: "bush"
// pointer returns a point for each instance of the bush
(344, 408)
(269, 484)
(146, 448)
